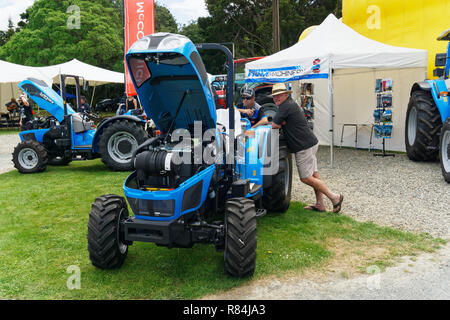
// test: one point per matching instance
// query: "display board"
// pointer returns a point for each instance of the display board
(383, 112)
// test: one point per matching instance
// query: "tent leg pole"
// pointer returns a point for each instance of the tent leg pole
(93, 94)
(330, 85)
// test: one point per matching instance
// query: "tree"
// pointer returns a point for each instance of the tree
(164, 20)
(47, 35)
(248, 23)
(5, 36)
(50, 34)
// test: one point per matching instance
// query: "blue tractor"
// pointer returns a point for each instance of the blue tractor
(178, 196)
(428, 116)
(67, 135)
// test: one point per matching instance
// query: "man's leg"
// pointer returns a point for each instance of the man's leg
(319, 195)
(320, 187)
(307, 168)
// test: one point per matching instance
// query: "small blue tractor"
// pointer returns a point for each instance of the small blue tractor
(428, 117)
(178, 197)
(67, 135)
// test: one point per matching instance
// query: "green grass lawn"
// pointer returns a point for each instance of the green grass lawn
(44, 225)
(4, 131)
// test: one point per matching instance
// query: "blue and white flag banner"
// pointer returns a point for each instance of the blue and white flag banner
(316, 69)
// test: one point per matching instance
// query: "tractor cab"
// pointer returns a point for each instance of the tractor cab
(443, 59)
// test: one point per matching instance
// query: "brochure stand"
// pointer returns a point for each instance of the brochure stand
(383, 114)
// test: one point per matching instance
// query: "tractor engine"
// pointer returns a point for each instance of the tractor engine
(167, 165)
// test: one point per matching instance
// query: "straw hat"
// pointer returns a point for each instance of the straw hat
(279, 88)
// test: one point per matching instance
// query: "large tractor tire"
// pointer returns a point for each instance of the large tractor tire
(277, 197)
(269, 110)
(30, 157)
(423, 125)
(118, 142)
(240, 237)
(107, 250)
(445, 150)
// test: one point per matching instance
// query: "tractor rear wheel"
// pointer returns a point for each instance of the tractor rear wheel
(106, 247)
(118, 142)
(240, 237)
(423, 125)
(277, 197)
(269, 110)
(445, 150)
(30, 157)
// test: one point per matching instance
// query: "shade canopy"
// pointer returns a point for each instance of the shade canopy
(331, 45)
(12, 74)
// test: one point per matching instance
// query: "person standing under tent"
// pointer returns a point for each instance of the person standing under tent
(304, 144)
(26, 111)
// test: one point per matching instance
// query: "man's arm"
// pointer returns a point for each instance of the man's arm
(261, 122)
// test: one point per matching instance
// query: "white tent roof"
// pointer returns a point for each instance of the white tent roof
(95, 75)
(331, 45)
(15, 73)
(11, 74)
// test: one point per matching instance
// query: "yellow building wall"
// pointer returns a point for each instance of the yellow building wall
(403, 23)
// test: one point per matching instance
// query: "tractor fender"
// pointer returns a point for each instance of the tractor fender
(424, 85)
(105, 123)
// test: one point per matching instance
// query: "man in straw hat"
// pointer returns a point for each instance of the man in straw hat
(304, 144)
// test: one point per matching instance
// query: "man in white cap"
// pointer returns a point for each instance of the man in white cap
(304, 144)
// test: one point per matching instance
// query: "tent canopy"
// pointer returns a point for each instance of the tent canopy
(95, 75)
(332, 45)
(12, 74)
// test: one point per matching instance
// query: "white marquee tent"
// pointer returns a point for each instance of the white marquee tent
(351, 63)
(12, 74)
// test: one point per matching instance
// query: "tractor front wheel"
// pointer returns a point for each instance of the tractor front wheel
(445, 150)
(107, 249)
(240, 237)
(30, 157)
(423, 124)
(118, 142)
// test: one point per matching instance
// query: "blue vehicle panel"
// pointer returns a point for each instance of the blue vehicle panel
(442, 102)
(38, 134)
(142, 197)
(45, 97)
(161, 83)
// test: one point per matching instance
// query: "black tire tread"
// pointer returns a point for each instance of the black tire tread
(40, 151)
(240, 259)
(274, 197)
(103, 247)
(445, 128)
(426, 146)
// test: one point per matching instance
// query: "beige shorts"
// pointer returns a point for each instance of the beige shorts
(307, 162)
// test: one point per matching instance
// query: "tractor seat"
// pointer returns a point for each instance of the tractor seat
(79, 124)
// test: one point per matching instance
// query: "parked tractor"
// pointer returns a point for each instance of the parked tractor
(178, 197)
(428, 115)
(68, 135)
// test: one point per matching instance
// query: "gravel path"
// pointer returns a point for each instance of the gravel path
(7, 144)
(426, 277)
(388, 191)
